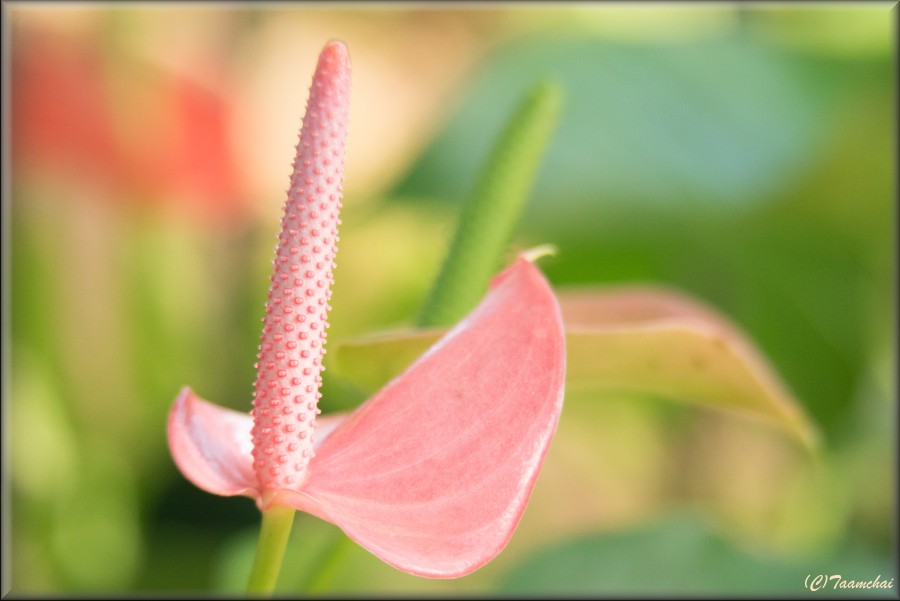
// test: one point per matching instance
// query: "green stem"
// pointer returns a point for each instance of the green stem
(489, 217)
(273, 538)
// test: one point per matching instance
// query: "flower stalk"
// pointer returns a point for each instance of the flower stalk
(490, 215)
(273, 538)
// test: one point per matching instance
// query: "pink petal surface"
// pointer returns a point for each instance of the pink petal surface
(212, 446)
(432, 474)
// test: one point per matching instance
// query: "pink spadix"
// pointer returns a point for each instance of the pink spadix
(432, 473)
(293, 337)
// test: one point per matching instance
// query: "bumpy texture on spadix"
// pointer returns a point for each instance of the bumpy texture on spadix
(289, 365)
(433, 472)
(290, 356)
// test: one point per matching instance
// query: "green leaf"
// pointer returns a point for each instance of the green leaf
(372, 361)
(643, 341)
(678, 555)
(713, 122)
(681, 362)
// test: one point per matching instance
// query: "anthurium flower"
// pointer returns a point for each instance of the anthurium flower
(433, 472)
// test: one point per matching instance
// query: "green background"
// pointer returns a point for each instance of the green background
(742, 154)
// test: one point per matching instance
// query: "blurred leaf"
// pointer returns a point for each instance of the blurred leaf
(680, 362)
(652, 340)
(372, 361)
(638, 341)
(96, 537)
(843, 30)
(231, 570)
(701, 123)
(675, 556)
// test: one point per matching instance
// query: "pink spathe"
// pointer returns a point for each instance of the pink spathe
(432, 473)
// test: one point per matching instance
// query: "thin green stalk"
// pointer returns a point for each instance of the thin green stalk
(492, 212)
(273, 538)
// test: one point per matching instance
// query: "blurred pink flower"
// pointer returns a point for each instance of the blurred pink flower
(60, 109)
(175, 149)
(433, 472)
